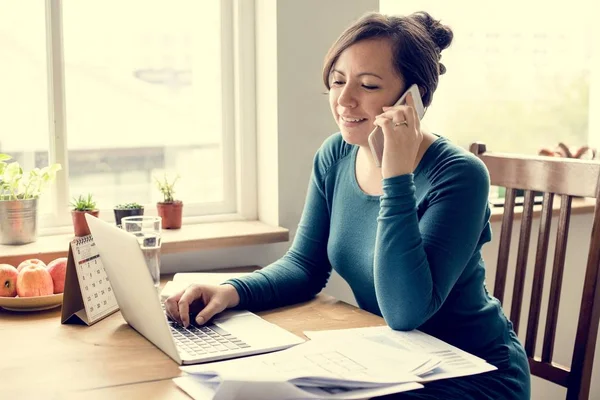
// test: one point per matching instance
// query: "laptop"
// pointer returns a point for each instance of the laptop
(229, 334)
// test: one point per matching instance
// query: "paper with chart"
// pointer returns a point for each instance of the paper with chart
(318, 367)
(455, 362)
(184, 279)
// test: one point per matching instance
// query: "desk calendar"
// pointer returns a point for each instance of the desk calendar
(88, 296)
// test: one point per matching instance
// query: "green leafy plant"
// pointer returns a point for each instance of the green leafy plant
(82, 203)
(167, 188)
(128, 206)
(15, 184)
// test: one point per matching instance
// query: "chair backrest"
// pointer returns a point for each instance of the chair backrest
(565, 178)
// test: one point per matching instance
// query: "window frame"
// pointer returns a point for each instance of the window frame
(238, 122)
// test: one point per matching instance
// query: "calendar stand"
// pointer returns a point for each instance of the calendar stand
(88, 295)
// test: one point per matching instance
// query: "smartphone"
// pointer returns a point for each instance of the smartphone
(376, 137)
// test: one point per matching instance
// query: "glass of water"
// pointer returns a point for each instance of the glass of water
(147, 230)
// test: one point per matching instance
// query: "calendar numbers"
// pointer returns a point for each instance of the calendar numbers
(98, 298)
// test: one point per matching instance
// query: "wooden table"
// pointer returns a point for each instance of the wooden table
(40, 358)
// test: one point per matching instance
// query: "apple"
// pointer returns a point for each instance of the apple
(34, 280)
(30, 261)
(58, 271)
(8, 280)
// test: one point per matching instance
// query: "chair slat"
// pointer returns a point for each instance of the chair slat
(522, 253)
(589, 317)
(541, 256)
(551, 372)
(504, 250)
(557, 274)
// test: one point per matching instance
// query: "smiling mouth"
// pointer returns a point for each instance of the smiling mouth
(352, 120)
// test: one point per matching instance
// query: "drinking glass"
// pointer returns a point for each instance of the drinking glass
(147, 230)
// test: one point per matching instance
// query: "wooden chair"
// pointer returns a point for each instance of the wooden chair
(565, 178)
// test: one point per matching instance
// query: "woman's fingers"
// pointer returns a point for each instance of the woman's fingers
(383, 121)
(172, 306)
(211, 300)
(191, 294)
(405, 112)
(213, 307)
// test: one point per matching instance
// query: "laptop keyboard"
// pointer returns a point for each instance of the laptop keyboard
(203, 340)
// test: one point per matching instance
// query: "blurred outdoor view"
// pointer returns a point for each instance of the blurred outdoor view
(143, 96)
(518, 72)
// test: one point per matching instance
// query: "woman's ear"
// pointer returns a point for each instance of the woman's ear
(422, 91)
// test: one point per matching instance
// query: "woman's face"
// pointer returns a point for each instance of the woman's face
(362, 81)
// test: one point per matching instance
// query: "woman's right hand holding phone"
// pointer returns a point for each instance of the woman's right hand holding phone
(402, 136)
(203, 300)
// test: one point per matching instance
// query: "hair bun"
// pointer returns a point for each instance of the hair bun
(440, 34)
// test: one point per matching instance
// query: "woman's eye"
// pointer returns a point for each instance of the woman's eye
(370, 87)
(337, 83)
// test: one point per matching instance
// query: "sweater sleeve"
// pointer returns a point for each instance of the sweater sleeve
(417, 262)
(304, 270)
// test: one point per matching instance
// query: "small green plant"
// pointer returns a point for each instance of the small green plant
(128, 206)
(166, 188)
(82, 203)
(18, 185)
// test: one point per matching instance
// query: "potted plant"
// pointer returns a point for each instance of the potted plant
(170, 210)
(562, 150)
(127, 210)
(81, 206)
(19, 192)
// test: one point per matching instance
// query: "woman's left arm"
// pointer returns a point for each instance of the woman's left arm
(417, 262)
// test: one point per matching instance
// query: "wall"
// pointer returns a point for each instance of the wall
(294, 118)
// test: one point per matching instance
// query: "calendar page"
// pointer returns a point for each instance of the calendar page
(96, 292)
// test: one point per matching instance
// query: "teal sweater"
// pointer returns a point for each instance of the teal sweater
(412, 255)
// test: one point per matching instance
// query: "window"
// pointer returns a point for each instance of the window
(23, 79)
(144, 89)
(519, 73)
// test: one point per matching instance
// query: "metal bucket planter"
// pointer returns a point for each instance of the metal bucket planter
(18, 221)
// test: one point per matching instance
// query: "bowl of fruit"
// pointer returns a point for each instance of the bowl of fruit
(32, 285)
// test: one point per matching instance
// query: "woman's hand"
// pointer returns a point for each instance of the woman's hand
(204, 300)
(402, 138)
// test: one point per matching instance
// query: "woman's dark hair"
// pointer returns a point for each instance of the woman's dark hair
(417, 42)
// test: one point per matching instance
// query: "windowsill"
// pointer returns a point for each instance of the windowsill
(217, 235)
(578, 206)
(203, 236)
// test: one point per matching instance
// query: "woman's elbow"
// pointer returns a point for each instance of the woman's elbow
(402, 323)
(409, 317)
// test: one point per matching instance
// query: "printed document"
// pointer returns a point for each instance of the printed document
(455, 362)
(317, 369)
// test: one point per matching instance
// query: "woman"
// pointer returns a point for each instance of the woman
(407, 237)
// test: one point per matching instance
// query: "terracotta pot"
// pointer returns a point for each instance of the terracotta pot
(170, 214)
(80, 224)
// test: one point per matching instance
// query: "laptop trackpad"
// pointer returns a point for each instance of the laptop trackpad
(253, 329)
